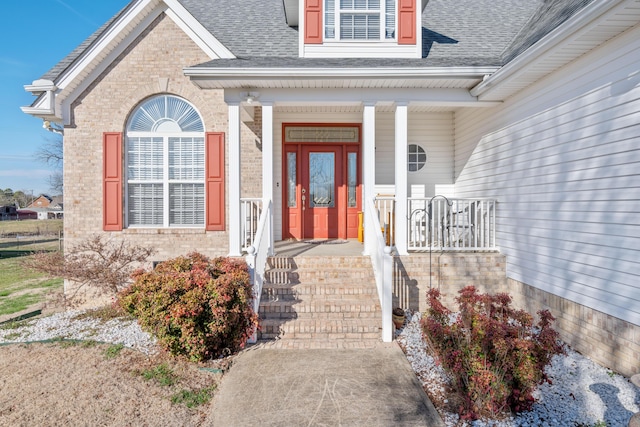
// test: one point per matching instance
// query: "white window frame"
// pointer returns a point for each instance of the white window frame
(165, 181)
(381, 12)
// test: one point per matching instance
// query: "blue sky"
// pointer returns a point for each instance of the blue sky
(35, 35)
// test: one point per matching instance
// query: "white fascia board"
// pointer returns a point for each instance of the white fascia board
(133, 23)
(337, 97)
(203, 38)
(291, 11)
(333, 73)
(552, 40)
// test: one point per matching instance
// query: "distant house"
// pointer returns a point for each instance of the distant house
(47, 207)
(182, 118)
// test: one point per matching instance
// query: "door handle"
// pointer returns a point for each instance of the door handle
(304, 198)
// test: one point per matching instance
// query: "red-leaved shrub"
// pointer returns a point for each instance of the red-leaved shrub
(493, 352)
(195, 306)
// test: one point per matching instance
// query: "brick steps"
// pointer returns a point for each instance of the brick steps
(320, 302)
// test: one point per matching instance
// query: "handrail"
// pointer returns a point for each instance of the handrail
(257, 255)
(382, 262)
(251, 208)
(386, 207)
(453, 224)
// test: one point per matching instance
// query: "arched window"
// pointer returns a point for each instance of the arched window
(165, 164)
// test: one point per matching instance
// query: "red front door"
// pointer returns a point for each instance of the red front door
(322, 184)
(322, 195)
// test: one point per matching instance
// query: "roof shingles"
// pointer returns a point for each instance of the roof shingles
(456, 33)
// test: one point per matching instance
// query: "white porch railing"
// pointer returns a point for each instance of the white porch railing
(382, 262)
(439, 223)
(257, 254)
(250, 214)
(385, 207)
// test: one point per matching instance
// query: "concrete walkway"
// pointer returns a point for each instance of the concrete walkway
(324, 387)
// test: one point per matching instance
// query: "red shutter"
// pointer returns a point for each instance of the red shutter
(112, 184)
(214, 172)
(313, 21)
(407, 22)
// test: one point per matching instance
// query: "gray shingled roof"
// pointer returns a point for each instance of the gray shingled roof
(61, 66)
(456, 33)
(549, 16)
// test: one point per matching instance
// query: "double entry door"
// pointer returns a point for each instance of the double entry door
(323, 193)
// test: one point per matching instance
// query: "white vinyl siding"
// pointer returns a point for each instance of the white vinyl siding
(563, 160)
(434, 133)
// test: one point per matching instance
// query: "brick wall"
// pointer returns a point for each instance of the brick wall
(449, 273)
(607, 340)
(151, 65)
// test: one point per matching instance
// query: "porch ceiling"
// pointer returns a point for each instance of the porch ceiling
(232, 82)
(345, 109)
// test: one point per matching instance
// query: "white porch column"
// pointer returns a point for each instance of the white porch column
(267, 162)
(368, 167)
(234, 180)
(401, 180)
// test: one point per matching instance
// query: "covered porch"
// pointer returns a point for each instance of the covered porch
(403, 202)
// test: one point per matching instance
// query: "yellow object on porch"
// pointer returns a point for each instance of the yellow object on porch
(360, 227)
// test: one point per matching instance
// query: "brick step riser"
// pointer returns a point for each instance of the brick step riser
(293, 294)
(327, 316)
(291, 329)
(320, 262)
(363, 336)
(319, 306)
(281, 277)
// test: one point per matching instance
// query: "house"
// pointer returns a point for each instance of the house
(505, 127)
(42, 201)
(47, 207)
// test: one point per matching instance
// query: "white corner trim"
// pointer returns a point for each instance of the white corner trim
(203, 38)
(519, 65)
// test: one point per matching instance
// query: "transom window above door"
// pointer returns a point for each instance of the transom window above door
(360, 20)
(165, 164)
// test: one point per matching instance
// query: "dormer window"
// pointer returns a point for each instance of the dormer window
(360, 20)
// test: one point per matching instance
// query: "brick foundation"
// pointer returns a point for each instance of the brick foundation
(607, 340)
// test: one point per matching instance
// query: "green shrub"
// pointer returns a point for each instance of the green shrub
(195, 306)
(493, 352)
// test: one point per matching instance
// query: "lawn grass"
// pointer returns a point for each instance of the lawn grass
(21, 288)
(31, 226)
(30, 235)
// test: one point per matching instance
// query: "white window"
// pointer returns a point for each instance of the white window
(417, 158)
(360, 20)
(165, 161)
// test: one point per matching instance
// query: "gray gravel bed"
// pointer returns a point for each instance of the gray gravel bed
(65, 325)
(581, 392)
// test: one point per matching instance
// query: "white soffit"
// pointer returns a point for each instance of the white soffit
(591, 27)
(332, 83)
